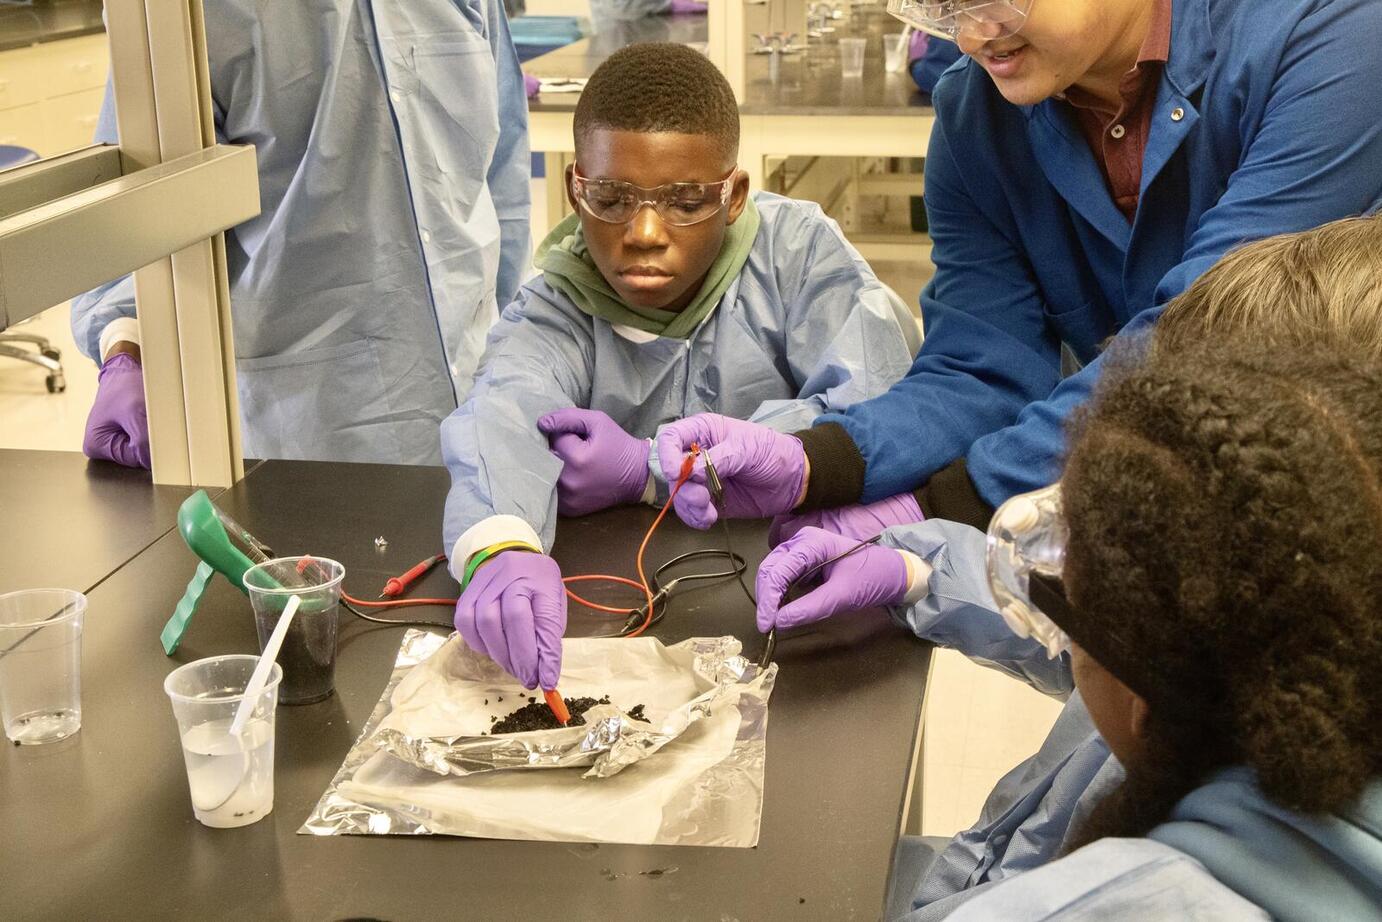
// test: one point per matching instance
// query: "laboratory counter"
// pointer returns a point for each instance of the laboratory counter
(48, 21)
(69, 522)
(101, 826)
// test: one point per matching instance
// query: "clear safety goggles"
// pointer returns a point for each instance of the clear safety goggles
(680, 204)
(949, 19)
(1026, 555)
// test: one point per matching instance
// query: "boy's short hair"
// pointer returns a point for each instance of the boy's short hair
(660, 86)
(1288, 290)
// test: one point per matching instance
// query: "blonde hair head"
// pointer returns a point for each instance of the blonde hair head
(1319, 284)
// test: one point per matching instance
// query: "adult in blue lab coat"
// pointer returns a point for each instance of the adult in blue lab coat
(392, 151)
(1251, 118)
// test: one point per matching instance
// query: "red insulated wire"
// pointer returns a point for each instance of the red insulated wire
(641, 584)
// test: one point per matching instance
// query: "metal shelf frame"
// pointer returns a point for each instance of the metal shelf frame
(155, 206)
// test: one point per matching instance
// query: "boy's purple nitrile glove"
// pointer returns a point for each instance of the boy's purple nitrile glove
(687, 6)
(859, 521)
(761, 470)
(531, 85)
(603, 465)
(514, 612)
(871, 576)
(117, 428)
(917, 46)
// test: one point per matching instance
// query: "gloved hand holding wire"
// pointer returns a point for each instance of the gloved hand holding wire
(762, 471)
(853, 578)
(514, 611)
(602, 465)
(858, 521)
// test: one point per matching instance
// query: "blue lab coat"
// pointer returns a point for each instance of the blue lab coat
(1226, 852)
(804, 328)
(1267, 119)
(392, 149)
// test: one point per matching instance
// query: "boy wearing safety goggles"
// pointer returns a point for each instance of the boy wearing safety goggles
(1320, 289)
(670, 291)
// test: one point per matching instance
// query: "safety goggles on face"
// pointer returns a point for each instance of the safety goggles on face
(680, 204)
(1026, 554)
(949, 19)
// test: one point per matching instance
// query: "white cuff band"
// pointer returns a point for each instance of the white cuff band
(488, 532)
(919, 578)
(119, 330)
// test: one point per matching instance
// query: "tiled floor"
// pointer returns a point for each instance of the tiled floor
(979, 723)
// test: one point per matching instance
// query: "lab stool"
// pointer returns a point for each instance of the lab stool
(47, 358)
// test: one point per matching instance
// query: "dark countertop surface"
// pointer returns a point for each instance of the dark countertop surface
(806, 83)
(48, 21)
(69, 522)
(104, 821)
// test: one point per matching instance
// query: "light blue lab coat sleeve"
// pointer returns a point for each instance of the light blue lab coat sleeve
(538, 359)
(844, 342)
(1132, 880)
(93, 310)
(510, 169)
(959, 611)
(1316, 156)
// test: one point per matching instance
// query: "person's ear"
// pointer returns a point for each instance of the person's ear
(571, 187)
(738, 196)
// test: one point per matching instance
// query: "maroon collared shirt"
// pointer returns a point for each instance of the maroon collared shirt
(1118, 137)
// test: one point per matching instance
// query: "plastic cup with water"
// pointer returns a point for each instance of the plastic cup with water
(40, 664)
(231, 778)
(895, 52)
(308, 656)
(852, 56)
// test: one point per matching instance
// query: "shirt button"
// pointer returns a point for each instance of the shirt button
(396, 96)
(1117, 132)
(455, 371)
(426, 237)
(1177, 114)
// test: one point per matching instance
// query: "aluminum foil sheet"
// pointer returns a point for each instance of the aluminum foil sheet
(422, 765)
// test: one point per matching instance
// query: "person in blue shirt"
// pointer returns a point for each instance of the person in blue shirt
(392, 150)
(670, 291)
(1053, 233)
(1316, 289)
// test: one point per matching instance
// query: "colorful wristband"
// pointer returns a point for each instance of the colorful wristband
(481, 556)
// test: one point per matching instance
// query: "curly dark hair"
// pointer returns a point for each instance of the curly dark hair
(1224, 562)
(660, 86)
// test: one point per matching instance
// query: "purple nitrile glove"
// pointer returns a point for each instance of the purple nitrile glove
(871, 576)
(118, 427)
(857, 522)
(531, 85)
(917, 46)
(514, 611)
(603, 465)
(687, 6)
(761, 470)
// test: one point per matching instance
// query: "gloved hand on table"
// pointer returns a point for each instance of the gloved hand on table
(859, 521)
(762, 471)
(117, 428)
(917, 45)
(514, 611)
(603, 465)
(871, 576)
(531, 85)
(687, 6)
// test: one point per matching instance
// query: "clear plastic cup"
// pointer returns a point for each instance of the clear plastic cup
(894, 52)
(308, 655)
(852, 56)
(40, 664)
(231, 779)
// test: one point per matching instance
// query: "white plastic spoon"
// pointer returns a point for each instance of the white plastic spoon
(260, 677)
